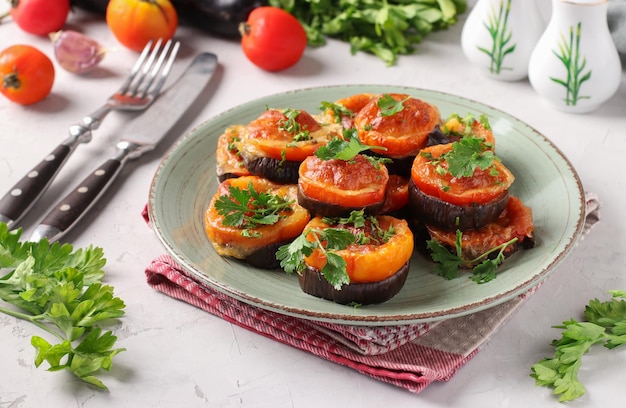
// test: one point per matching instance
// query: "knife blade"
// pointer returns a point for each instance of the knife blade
(143, 134)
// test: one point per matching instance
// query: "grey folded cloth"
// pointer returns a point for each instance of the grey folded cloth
(617, 26)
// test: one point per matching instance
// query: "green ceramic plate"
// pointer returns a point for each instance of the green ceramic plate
(185, 181)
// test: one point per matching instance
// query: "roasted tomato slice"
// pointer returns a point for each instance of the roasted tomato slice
(283, 134)
(397, 195)
(345, 109)
(456, 127)
(375, 260)
(227, 157)
(349, 183)
(402, 133)
(516, 221)
(432, 178)
(239, 243)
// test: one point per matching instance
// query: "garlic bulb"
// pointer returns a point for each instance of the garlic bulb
(76, 52)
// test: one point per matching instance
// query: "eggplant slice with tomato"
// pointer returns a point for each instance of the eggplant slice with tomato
(376, 262)
(446, 196)
(401, 124)
(513, 226)
(275, 144)
(335, 187)
(249, 218)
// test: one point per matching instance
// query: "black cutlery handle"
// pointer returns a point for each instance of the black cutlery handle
(25, 193)
(77, 203)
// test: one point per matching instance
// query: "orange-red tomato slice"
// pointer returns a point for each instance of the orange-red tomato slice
(348, 183)
(481, 188)
(371, 262)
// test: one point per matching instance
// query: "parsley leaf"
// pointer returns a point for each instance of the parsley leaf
(467, 155)
(389, 106)
(58, 289)
(606, 324)
(344, 149)
(247, 209)
(449, 262)
(337, 109)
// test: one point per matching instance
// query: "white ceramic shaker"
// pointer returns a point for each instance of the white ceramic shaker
(500, 35)
(575, 66)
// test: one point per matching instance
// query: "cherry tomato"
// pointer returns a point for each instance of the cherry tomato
(135, 22)
(26, 74)
(40, 17)
(272, 38)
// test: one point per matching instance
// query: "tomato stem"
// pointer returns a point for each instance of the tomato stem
(11, 81)
(244, 29)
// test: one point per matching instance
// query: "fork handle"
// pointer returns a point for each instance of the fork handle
(77, 203)
(20, 198)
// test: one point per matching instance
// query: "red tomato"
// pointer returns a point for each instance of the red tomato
(26, 74)
(40, 17)
(135, 22)
(272, 38)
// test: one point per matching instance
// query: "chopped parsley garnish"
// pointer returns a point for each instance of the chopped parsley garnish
(247, 209)
(345, 148)
(355, 229)
(337, 109)
(449, 262)
(292, 126)
(466, 155)
(468, 122)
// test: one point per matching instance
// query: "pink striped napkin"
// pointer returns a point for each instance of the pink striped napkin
(409, 356)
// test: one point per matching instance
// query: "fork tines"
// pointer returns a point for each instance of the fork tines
(148, 66)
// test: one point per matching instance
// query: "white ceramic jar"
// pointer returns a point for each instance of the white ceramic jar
(575, 66)
(499, 36)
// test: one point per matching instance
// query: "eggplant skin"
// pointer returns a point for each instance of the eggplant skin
(324, 209)
(219, 17)
(313, 283)
(430, 210)
(278, 171)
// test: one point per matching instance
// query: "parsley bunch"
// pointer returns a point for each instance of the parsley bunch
(605, 324)
(60, 291)
(385, 28)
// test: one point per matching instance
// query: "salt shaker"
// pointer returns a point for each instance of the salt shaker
(575, 65)
(499, 36)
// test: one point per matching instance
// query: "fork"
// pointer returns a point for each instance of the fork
(137, 93)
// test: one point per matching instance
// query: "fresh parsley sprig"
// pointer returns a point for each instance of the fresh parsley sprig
(466, 155)
(467, 121)
(337, 109)
(328, 240)
(389, 106)
(60, 291)
(346, 148)
(449, 263)
(246, 208)
(605, 324)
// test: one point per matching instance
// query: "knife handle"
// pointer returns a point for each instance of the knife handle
(76, 204)
(24, 194)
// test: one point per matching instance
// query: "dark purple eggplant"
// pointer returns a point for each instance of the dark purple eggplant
(278, 171)
(219, 17)
(430, 210)
(313, 283)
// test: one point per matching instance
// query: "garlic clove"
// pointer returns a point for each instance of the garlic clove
(76, 52)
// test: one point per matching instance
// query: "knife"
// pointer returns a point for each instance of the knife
(143, 134)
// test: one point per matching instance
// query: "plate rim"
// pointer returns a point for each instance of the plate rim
(373, 320)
